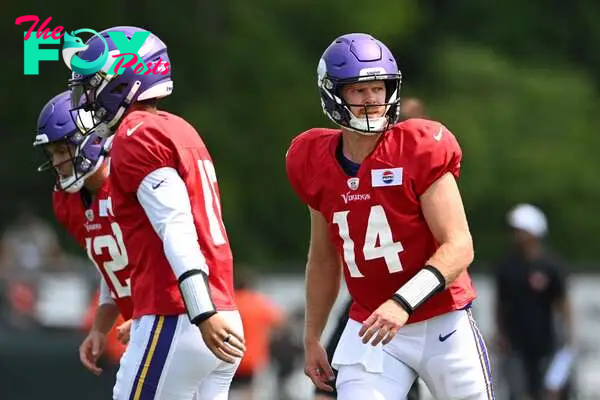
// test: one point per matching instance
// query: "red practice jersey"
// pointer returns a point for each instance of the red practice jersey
(143, 143)
(375, 219)
(102, 238)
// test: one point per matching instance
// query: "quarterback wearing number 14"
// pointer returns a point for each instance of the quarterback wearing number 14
(383, 199)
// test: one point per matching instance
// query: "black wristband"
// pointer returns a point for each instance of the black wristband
(198, 319)
(426, 283)
(193, 285)
(403, 303)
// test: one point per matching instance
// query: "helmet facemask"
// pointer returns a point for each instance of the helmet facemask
(84, 97)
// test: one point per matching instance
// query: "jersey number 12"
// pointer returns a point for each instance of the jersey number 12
(119, 259)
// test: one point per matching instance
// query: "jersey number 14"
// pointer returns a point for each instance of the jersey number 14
(379, 242)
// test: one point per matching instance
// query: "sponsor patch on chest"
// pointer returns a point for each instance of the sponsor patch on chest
(386, 177)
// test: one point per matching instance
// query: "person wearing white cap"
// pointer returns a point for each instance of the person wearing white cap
(529, 219)
(531, 291)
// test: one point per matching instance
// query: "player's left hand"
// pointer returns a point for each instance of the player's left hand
(383, 323)
(123, 332)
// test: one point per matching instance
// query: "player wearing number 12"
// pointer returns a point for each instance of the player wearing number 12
(383, 199)
(81, 202)
(166, 200)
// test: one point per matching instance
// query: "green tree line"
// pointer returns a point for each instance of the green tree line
(517, 82)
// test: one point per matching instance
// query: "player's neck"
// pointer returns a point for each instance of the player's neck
(142, 107)
(357, 147)
(94, 182)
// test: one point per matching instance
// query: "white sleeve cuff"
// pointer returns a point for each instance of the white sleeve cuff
(165, 199)
(105, 297)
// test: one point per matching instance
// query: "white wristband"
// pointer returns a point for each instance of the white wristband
(193, 285)
(419, 288)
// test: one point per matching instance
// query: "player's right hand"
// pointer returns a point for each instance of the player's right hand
(91, 349)
(221, 339)
(316, 366)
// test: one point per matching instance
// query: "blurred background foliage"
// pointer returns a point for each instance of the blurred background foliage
(517, 82)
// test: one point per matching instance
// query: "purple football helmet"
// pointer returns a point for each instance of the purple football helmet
(55, 125)
(358, 57)
(108, 97)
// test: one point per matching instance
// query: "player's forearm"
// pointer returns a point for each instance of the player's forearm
(169, 211)
(453, 257)
(105, 318)
(448, 262)
(322, 288)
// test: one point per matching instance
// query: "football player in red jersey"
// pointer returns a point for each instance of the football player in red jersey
(82, 204)
(165, 198)
(384, 201)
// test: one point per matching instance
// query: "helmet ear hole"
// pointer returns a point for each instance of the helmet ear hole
(120, 88)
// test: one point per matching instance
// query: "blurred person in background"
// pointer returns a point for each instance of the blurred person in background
(411, 107)
(28, 245)
(386, 211)
(30, 259)
(82, 204)
(287, 353)
(531, 301)
(260, 317)
(187, 334)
